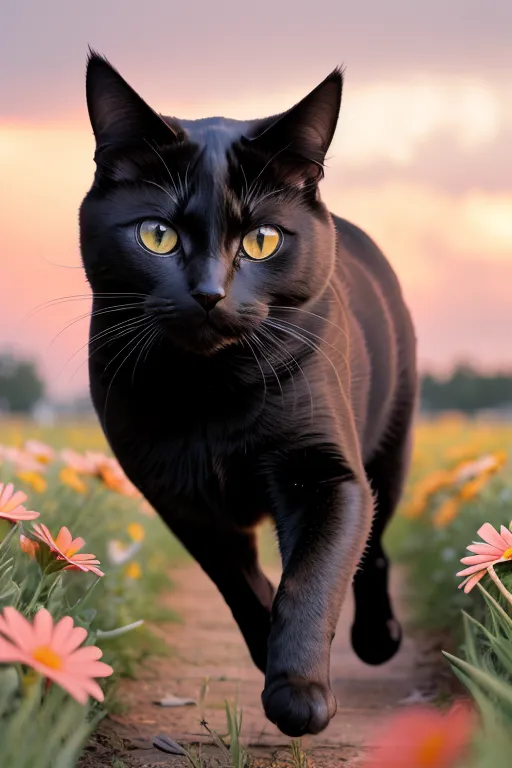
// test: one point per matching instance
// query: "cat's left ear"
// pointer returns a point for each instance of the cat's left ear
(118, 115)
(306, 130)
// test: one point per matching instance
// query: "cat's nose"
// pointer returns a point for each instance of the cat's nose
(208, 300)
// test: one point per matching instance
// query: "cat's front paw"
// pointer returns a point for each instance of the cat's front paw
(298, 706)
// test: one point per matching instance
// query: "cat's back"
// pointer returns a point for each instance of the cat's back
(375, 297)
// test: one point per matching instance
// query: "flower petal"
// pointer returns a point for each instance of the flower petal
(472, 581)
(484, 549)
(63, 539)
(470, 570)
(43, 627)
(18, 629)
(479, 559)
(506, 535)
(10, 653)
(61, 632)
(489, 534)
(75, 638)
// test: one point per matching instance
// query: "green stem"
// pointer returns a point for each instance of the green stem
(504, 591)
(35, 598)
(6, 541)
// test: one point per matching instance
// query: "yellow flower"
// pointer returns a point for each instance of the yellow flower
(447, 512)
(36, 481)
(70, 478)
(133, 570)
(136, 531)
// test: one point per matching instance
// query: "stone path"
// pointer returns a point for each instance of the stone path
(208, 645)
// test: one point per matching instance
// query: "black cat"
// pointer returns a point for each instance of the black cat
(251, 355)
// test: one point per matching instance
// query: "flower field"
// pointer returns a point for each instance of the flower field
(83, 560)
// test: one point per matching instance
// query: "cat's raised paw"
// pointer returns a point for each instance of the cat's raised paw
(298, 707)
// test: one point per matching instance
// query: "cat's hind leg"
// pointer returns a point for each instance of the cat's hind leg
(376, 634)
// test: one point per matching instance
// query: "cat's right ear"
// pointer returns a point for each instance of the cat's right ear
(118, 114)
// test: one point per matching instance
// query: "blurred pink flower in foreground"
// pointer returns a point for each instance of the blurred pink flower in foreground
(65, 547)
(52, 650)
(496, 549)
(424, 737)
(11, 505)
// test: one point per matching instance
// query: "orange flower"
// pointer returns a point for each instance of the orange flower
(36, 481)
(496, 549)
(473, 487)
(53, 651)
(424, 737)
(70, 477)
(115, 479)
(66, 548)
(447, 512)
(31, 548)
(11, 505)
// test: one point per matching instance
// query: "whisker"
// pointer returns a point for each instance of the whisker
(150, 332)
(313, 314)
(105, 311)
(166, 191)
(157, 153)
(137, 339)
(314, 347)
(80, 297)
(246, 339)
(305, 330)
(120, 334)
(260, 347)
(294, 359)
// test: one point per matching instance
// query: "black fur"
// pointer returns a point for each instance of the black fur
(292, 397)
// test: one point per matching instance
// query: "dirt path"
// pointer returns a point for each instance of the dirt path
(208, 645)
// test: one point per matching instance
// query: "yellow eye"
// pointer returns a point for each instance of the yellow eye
(157, 237)
(262, 242)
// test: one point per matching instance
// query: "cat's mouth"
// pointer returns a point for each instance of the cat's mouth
(205, 338)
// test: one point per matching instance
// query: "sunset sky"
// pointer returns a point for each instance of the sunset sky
(422, 158)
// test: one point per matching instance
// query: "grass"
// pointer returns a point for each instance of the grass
(430, 550)
(126, 595)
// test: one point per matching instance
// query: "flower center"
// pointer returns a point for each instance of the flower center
(430, 750)
(46, 656)
(508, 554)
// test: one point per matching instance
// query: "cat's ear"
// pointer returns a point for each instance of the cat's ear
(306, 130)
(118, 114)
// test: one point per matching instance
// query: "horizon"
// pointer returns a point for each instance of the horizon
(418, 160)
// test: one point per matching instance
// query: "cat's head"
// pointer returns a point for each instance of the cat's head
(211, 221)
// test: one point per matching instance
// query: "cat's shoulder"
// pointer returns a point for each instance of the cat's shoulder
(355, 244)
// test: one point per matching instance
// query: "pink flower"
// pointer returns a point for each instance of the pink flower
(40, 451)
(22, 460)
(423, 737)
(496, 549)
(83, 465)
(65, 547)
(11, 505)
(52, 650)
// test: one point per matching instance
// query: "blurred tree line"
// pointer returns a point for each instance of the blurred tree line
(21, 387)
(466, 390)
